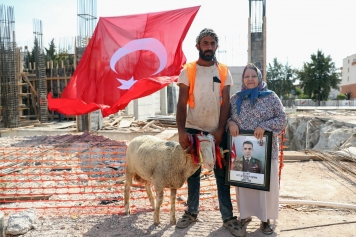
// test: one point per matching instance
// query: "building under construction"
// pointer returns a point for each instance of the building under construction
(24, 88)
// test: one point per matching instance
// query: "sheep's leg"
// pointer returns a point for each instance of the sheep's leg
(128, 184)
(159, 200)
(149, 193)
(173, 206)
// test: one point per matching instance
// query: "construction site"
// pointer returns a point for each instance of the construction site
(65, 177)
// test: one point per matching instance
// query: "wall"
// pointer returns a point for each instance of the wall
(236, 73)
(348, 83)
(147, 106)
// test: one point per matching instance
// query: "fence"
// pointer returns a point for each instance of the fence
(75, 174)
(309, 102)
(78, 175)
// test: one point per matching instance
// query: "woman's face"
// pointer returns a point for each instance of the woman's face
(250, 79)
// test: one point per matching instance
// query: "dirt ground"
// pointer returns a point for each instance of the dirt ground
(308, 180)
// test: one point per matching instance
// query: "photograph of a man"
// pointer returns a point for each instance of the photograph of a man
(248, 163)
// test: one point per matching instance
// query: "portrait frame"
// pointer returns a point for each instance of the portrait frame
(253, 172)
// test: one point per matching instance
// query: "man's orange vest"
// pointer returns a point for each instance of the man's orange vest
(191, 71)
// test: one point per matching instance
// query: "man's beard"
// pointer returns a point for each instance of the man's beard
(206, 57)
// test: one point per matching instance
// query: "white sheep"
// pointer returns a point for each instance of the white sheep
(165, 164)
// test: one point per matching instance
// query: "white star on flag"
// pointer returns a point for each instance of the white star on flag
(126, 84)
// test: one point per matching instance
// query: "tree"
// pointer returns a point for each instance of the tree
(299, 94)
(298, 91)
(29, 58)
(319, 76)
(51, 51)
(341, 97)
(280, 78)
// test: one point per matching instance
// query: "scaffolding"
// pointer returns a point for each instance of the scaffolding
(8, 69)
(40, 72)
(87, 19)
(86, 23)
(257, 12)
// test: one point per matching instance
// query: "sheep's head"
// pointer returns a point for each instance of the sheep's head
(206, 148)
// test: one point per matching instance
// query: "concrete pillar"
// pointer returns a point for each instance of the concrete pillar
(264, 48)
(172, 98)
(249, 41)
(145, 107)
(163, 100)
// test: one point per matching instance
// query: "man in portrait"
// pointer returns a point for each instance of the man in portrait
(248, 163)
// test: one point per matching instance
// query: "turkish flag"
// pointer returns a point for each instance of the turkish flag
(128, 57)
(232, 155)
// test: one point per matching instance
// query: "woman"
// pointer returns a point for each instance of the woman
(259, 109)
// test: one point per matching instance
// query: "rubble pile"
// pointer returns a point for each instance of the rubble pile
(320, 130)
(129, 124)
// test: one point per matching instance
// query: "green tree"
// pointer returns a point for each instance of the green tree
(319, 76)
(29, 57)
(298, 91)
(341, 97)
(51, 51)
(280, 78)
(36, 52)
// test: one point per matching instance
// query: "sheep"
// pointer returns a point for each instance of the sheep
(165, 164)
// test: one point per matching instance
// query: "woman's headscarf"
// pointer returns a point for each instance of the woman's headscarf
(259, 91)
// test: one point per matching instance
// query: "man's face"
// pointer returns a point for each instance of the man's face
(207, 47)
(247, 149)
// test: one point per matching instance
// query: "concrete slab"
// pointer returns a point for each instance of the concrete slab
(349, 121)
(120, 135)
(36, 131)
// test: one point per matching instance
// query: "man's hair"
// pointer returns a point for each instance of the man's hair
(207, 32)
(247, 142)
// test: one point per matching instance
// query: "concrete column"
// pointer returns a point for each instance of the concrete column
(249, 55)
(163, 100)
(264, 30)
(135, 108)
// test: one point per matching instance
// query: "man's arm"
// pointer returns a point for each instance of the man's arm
(224, 114)
(181, 115)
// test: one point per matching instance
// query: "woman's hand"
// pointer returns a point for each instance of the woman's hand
(259, 133)
(234, 129)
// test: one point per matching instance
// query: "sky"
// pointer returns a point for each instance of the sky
(295, 29)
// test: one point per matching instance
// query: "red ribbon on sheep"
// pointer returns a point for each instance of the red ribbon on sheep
(196, 154)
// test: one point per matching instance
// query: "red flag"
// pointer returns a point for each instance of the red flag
(232, 155)
(128, 57)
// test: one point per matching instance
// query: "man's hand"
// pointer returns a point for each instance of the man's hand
(234, 129)
(184, 140)
(259, 133)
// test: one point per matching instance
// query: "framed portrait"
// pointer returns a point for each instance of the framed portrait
(249, 159)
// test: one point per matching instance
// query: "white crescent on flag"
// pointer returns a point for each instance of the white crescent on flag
(150, 44)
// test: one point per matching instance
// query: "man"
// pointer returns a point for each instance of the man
(248, 163)
(205, 86)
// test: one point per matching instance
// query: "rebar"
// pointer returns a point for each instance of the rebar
(8, 69)
(40, 71)
(87, 19)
